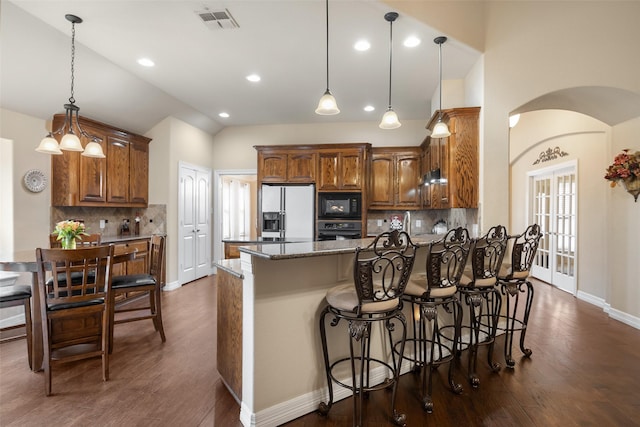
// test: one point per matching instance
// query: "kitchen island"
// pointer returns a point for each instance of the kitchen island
(269, 303)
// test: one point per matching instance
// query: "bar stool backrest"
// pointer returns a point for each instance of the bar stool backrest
(524, 250)
(447, 258)
(487, 254)
(382, 269)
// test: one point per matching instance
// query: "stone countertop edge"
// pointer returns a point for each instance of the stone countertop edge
(231, 266)
(319, 248)
(119, 239)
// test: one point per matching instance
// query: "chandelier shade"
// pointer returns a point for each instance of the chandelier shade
(70, 140)
(327, 105)
(390, 118)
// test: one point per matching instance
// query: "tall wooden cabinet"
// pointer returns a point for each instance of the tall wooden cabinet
(119, 180)
(455, 159)
(395, 178)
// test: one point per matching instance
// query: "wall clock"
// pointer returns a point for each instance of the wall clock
(35, 181)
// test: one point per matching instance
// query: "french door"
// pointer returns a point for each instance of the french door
(554, 206)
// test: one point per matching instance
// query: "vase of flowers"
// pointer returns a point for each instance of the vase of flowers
(626, 169)
(68, 231)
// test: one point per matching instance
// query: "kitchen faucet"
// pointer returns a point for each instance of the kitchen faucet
(406, 222)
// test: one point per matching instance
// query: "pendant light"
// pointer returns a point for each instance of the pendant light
(440, 130)
(327, 105)
(390, 118)
(70, 141)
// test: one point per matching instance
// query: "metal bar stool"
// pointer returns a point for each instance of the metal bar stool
(433, 297)
(479, 292)
(380, 275)
(513, 281)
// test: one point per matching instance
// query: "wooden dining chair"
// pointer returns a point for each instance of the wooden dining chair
(75, 313)
(149, 283)
(16, 296)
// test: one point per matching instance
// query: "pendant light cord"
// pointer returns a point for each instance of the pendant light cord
(440, 61)
(327, 14)
(390, 57)
(73, 56)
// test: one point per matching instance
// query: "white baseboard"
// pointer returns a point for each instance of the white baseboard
(618, 315)
(302, 405)
(15, 320)
(172, 286)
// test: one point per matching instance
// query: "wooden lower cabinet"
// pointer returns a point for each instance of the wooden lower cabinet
(139, 264)
(229, 321)
(231, 250)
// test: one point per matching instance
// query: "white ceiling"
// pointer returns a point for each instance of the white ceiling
(200, 72)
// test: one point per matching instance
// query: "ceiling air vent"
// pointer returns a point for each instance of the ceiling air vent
(216, 20)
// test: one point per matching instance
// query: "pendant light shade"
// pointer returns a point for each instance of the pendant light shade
(390, 118)
(327, 105)
(440, 130)
(70, 141)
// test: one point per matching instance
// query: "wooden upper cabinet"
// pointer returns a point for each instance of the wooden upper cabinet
(457, 159)
(395, 178)
(286, 165)
(119, 180)
(341, 170)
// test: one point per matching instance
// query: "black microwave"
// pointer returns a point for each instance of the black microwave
(340, 205)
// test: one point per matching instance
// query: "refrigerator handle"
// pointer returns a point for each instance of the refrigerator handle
(283, 225)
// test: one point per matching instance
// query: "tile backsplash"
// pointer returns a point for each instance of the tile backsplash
(153, 219)
(380, 221)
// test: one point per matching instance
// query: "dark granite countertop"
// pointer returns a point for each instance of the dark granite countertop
(265, 240)
(120, 239)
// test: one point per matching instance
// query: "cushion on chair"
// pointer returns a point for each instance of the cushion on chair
(467, 281)
(506, 273)
(14, 292)
(55, 307)
(417, 286)
(132, 281)
(345, 298)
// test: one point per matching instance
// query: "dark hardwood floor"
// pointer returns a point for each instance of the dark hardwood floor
(584, 371)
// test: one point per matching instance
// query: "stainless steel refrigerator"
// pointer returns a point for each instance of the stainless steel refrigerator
(288, 211)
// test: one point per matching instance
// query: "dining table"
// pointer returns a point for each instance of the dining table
(25, 262)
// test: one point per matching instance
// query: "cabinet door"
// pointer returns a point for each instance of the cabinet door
(407, 180)
(381, 191)
(350, 171)
(139, 173)
(272, 167)
(92, 172)
(301, 167)
(328, 177)
(117, 170)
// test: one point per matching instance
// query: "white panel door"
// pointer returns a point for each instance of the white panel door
(554, 208)
(194, 213)
(187, 225)
(202, 231)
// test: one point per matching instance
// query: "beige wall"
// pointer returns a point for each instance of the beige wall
(233, 146)
(175, 141)
(31, 210)
(586, 141)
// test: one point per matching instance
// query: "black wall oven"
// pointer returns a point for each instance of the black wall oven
(337, 206)
(339, 230)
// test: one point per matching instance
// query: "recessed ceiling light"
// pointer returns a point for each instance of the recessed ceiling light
(253, 78)
(369, 108)
(146, 62)
(362, 45)
(224, 115)
(412, 41)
